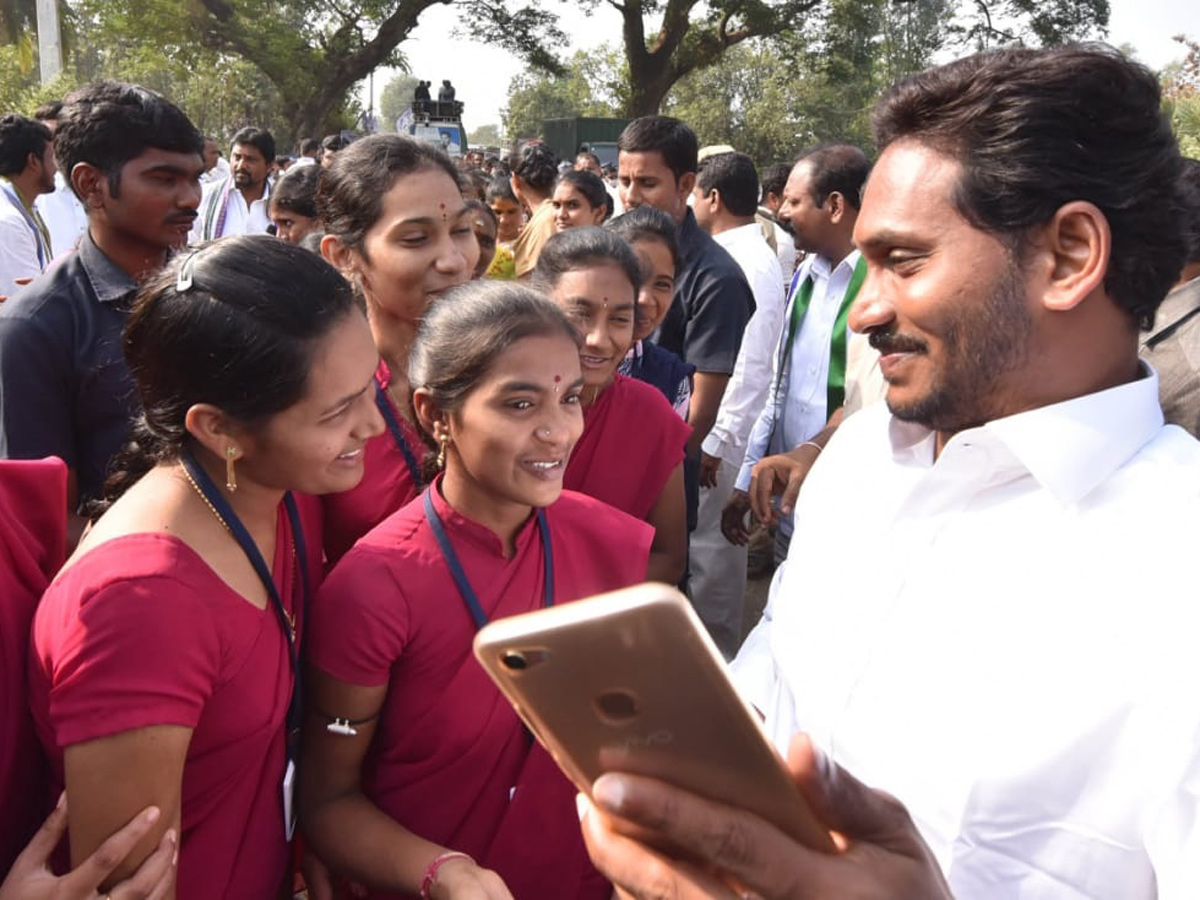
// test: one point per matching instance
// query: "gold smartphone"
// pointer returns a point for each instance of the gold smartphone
(630, 681)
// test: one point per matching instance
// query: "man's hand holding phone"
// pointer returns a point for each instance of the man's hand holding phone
(881, 855)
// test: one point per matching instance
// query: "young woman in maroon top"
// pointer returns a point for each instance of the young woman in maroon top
(397, 227)
(164, 653)
(631, 451)
(410, 752)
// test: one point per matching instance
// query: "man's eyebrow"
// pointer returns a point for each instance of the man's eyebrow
(887, 237)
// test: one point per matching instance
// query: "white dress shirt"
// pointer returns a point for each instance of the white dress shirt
(239, 219)
(746, 391)
(219, 172)
(19, 242)
(64, 215)
(1006, 640)
(795, 407)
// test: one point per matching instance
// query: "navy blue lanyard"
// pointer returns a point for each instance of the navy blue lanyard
(460, 576)
(242, 536)
(389, 416)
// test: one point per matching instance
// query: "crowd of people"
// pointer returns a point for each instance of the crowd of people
(278, 440)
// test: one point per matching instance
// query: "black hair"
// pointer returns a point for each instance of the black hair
(1189, 188)
(473, 183)
(481, 207)
(646, 223)
(334, 142)
(19, 137)
(241, 337)
(48, 112)
(670, 138)
(590, 155)
(109, 123)
(774, 177)
(350, 196)
(837, 168)
(464, 332)
(1035, 129)
(296, 191)
(581, 248)
(308, 146)
(500, 189)
(535, 164)
(258, 138)
(590, 185)
(734, 177)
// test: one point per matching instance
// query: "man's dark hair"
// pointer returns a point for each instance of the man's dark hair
(590, 155)
(1189, 189)
(837, 168)
(670, 138)
(48, 112)
(308, 146)
(774, 177)
(334, 142)
(1036, 129)
(108, 123)
(258, 138)
(733, 175)
(19, 137)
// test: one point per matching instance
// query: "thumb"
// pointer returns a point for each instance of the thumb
(847, 806)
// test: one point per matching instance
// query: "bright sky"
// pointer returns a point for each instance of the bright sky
(482, 73)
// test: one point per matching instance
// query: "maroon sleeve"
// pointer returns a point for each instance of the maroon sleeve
(141, 652)
(655, 423)
(361, 619)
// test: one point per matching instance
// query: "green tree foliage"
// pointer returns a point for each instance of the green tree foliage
(486, 136)
(395, 98)
(1181, 97)
(593, 83)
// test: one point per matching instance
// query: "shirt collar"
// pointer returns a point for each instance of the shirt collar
(822, 268)
(109, 281)
(730, 236)
(1070, 447)
(459, 527)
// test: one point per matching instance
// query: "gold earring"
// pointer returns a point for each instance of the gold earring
(230, 475)
(443, 442)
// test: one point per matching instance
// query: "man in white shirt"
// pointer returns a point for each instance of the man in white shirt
(989, 610)
(310, 149)
(215, 166)
(821, 200)
(773, 179)
(239, 204)
(724, 202)
(26, 170)
(64, 215)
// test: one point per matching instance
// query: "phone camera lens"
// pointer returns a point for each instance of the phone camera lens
(513, 660)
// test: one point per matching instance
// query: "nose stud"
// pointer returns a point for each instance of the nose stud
(544, 434)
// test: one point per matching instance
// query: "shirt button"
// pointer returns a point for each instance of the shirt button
(812, 370)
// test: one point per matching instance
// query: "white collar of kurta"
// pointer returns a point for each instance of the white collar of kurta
(1069, 448)
(821, 268)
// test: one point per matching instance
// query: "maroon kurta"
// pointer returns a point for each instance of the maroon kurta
(141, 632)
(449, 749)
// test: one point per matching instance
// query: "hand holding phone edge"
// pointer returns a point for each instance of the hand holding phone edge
(881, 853)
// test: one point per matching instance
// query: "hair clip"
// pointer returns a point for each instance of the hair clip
(184, 282)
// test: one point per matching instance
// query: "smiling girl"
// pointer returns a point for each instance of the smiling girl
(164, 653)
(579, 200)
(631, 451)
(397, 227)
(419, 778)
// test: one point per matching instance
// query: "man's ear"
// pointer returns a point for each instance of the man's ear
(687, 183)
(90, 184)
(835, 203)
(1074, 248)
